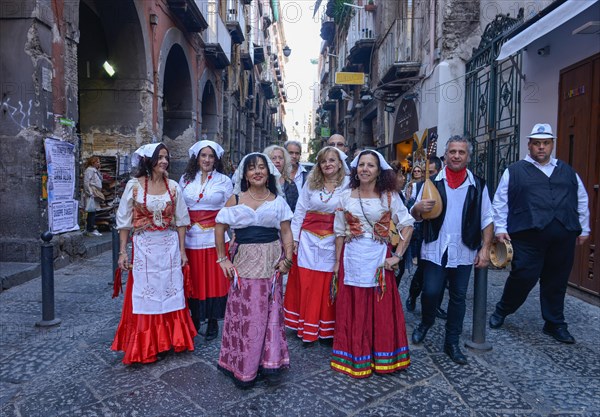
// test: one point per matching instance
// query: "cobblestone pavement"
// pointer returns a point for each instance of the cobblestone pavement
(70, 370)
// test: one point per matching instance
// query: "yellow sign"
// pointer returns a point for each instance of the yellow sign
(350, 78)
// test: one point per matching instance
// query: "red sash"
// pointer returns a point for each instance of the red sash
(318, 223)
(205, 219)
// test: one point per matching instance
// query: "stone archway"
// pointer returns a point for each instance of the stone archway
(114, 110)
(210, 117)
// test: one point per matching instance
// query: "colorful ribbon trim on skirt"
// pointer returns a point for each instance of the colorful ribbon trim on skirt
(333, 288)
(319, 223)
(276, 276)
(205, 219)
(380, 280)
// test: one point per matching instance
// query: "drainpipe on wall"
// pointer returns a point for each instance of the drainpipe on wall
(431, 33)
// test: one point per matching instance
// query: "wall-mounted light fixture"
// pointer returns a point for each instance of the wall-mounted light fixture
(389, 108)
(287, 51)
(108, 68)
(153, 19)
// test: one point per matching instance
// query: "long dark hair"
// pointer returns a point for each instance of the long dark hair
(144, 169)
(253, 160)
(192, 167)
(386, 180)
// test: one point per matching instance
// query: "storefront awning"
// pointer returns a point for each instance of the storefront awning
(546, 24)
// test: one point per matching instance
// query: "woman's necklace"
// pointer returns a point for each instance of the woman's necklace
(258, 199)
(201, 194)
(325, 195)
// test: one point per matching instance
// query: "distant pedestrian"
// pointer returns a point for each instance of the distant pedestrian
(338, 141)
(282, 161)
(298, 173)
(370, 332)
(205, 189)
(155, 318)
(92, 192)
(453, 242)
(253, 331)
(541, 206)
(308, 308)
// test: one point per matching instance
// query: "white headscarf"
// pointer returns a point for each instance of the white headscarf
(144, 151)
(195, 149)
(238, 175)
(382, 162)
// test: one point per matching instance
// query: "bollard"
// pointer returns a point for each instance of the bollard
(479, 311)
(47, 262)
(115, 252)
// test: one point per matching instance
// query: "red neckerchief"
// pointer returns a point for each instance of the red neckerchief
(455, 178)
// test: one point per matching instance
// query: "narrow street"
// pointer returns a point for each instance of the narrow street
(70, 370)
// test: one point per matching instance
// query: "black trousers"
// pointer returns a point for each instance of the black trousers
(433, 290)
(416, 284)
(90, 222)
(546, 255)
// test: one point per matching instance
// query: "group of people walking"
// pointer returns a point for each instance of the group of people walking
(211, 248)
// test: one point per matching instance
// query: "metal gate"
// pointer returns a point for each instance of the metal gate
(492, 104)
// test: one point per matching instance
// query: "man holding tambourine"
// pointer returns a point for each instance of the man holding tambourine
(541, 207)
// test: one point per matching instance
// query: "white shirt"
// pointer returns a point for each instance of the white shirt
(450, 236)
(298, 177)
(501, 198)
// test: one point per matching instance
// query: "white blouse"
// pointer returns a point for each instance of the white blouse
(153, 202)
(362, 254)
(215, 192)
(316, 252)
(268, 214)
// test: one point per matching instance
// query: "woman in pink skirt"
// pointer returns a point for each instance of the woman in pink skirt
(253, 331)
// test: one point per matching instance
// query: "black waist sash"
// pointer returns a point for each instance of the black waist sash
(256, 234)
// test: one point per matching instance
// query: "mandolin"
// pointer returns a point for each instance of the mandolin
(429, 190)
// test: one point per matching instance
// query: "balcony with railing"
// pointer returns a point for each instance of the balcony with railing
(217, 38)
(190, 13)
(236, 22)
(247, 55)
(361, 38)
(397, 57)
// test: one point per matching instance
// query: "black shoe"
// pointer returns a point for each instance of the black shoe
(308, 344)
(496, 320)
(441, 314)
(419, 333)
(212, 329)
(326, 342)
(560, 333)
(410, 303)
(453, 351)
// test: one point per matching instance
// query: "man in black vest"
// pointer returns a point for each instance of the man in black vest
(541, 206)
(452, 243)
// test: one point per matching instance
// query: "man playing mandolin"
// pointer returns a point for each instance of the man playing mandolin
(453, 242)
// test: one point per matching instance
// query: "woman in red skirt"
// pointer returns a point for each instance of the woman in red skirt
(308, 309)
(370, 332)
(155, 318)
(205, 190)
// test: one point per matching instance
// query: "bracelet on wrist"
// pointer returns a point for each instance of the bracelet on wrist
(122, 252)
(397, 255)
(222, 259)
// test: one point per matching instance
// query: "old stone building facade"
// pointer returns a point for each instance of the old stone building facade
(183, 70)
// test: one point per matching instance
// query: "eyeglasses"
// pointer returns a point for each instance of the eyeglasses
(336, 144)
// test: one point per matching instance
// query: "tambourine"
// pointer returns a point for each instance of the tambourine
(501, 253)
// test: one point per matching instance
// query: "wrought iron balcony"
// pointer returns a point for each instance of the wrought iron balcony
(236, 22)
(217, 40)
(259, 54)
(190, 13)
(361, 38)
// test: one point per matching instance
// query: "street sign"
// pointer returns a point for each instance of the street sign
(350, 78)
(325, 132)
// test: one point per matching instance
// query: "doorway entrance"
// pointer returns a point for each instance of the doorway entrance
(577, 144)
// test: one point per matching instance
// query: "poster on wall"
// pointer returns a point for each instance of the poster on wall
(62, 208)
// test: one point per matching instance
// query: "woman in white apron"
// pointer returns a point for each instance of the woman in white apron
(155, 317)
